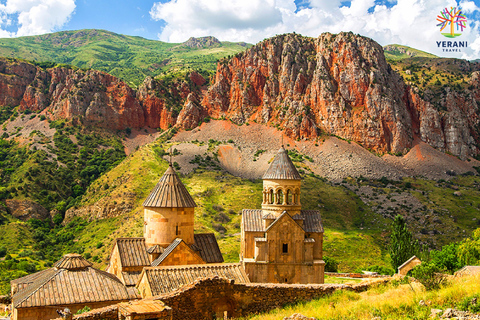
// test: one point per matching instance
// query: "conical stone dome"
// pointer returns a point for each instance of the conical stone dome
(170, 193)
(281, 168)
(72, 261)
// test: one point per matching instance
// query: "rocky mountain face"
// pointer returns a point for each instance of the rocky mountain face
(93, 97)
(340, 85)
(201, 42)
(335, 84)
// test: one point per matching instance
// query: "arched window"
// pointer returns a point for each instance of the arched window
(270, 196)
(290, 197)
(280, 196)
(296, 196)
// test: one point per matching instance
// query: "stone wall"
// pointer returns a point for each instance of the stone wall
(107, 313)
(354, 275)
(215, 297)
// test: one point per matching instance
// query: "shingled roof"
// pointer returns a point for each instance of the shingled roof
(133, 252)
(169, 193)
(169, 278)
(252, 220)
(208, 248)
(60, 286)
(282, 168)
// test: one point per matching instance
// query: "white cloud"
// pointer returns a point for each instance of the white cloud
(407, 22)
(34, 16)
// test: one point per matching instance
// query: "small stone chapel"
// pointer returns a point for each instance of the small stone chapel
(168, 235)
(281, 243)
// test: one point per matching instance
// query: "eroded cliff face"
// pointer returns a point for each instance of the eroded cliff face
(340, 85)
(94, 97)
(335, 84)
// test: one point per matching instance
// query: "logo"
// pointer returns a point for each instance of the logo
(452, 18)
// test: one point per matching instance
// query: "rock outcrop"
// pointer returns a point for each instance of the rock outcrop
(340, 85)
(335, 84)
(201, 42)
(25, 210)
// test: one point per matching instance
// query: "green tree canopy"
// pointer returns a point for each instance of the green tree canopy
(469, 249)
(402, 244)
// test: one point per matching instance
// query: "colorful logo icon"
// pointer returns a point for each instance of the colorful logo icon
(452, 18)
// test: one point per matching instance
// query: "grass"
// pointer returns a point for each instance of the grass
(395, 54)
(392, 301)
(127, 57)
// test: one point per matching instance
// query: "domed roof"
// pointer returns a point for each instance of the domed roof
(72, 261)
(282, 168)
(170, 193)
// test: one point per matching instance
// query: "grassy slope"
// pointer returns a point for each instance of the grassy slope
(392, 301)
(127, 57)
(218, 194)
(396, 53)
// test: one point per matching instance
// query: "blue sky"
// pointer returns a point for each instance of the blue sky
(407, 22)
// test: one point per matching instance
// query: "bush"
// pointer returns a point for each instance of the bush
(83, 310)
(222, 217)
(331, 265)
(471, 303)
(429, 275)
(3, 252)
(219, 228)
(381, 270)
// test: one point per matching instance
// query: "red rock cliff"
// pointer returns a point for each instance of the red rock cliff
(341, 85)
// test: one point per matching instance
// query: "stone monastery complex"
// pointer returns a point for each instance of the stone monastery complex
(280, 243)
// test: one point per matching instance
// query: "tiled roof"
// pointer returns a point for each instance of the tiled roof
(169, 278)
(208, 247)
(170, 193)
(133, 252)
(313, 221)
(72, 261)
(252, 220)
(131, 277)
(64, 287)
(282, 168)
(260, 239)
(309, 240)
(167, 251)
(155, 249)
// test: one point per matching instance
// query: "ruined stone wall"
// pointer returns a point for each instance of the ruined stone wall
(50, 312)
(216, 297)
(107, 313)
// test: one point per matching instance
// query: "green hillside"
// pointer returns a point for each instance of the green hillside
(127, 57)
(398, 52)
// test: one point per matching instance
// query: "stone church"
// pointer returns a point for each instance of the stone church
(169, 238)
(281, 243)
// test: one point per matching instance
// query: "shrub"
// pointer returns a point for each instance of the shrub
(381, 270)
(331, 265)
(471, 303)
(429, 275)
(3, 252)
(222, 217)
(219, 228)
(83, 310)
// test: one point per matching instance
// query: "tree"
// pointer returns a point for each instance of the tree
(402, 244)
(447, 258)
(469, 249)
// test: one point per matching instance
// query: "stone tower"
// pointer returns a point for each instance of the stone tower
(281, 243)
(169, 212)
(281, 186)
